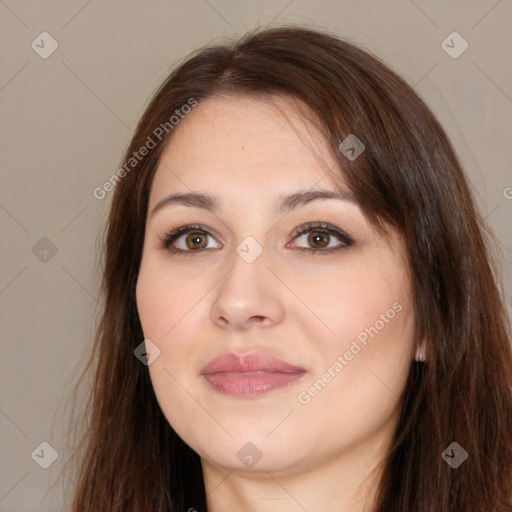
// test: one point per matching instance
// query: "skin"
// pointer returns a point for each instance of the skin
(304, 309)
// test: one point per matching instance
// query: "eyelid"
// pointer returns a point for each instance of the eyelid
(171, 235)
(323, 226)
(346, 241)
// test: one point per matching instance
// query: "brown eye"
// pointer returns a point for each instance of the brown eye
(321, 238)
(187, 240)
(196, 241)
(318, 239)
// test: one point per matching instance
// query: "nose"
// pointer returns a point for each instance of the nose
(249, 296)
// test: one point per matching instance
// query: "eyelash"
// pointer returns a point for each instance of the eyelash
(169, 237)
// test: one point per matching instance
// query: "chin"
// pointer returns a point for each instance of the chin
(253, 457)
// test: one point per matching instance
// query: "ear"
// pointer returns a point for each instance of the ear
(421, 351)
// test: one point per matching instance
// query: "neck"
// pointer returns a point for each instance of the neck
(345, 483)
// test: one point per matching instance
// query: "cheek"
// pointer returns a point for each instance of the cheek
(163, 300)
(350, 302)
(163, 304)
(369, 312)
(168, 309)
(360, 382)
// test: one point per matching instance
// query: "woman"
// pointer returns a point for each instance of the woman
(301, 312)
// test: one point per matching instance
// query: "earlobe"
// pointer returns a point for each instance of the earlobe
(421, 351)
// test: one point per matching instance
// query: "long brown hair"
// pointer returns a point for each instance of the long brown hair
(130, 458)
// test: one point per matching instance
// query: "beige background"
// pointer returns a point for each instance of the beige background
(66, 120)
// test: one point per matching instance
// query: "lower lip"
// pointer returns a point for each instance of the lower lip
(247, 384)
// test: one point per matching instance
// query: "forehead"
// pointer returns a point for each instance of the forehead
(239, 142)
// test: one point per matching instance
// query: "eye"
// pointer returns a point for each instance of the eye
(320, 237)
(186, 239)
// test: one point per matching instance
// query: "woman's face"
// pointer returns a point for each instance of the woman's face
(246, 285)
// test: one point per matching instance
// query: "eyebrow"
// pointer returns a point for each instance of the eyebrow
(285, 204)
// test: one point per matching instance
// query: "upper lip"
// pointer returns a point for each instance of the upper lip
(249, 362)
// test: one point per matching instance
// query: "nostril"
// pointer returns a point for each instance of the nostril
(256, 319)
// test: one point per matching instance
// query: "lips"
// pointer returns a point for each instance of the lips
(246, 375)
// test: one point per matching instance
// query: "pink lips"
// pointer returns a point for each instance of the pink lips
(249, 375)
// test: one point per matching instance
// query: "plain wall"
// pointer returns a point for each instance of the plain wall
(66, 120)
